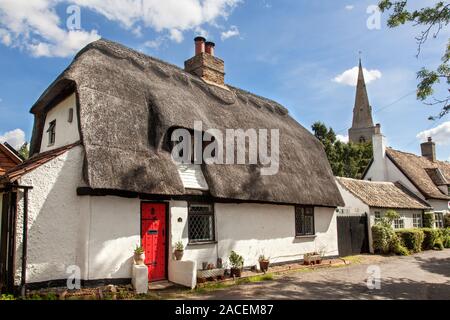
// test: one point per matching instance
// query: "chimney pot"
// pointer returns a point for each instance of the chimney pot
(430, 139)
(199, 45)
(209, 47)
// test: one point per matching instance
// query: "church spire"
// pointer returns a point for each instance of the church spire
(362, 127)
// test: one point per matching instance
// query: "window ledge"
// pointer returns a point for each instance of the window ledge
(201, 243)
(305, 237)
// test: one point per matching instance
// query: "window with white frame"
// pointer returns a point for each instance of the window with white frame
(377, 216)
(438, 219)
(399, 223)
(417, 220)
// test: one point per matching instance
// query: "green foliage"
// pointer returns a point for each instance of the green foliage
(382, 238)
(24, 151)
(447, 221)
(428, 220)
(179, 246)
(446, 237)
(236, 260)
(432, 237)
(412, 239)
(346, 159)
(7, 297)
(139, 250)
(432, 19)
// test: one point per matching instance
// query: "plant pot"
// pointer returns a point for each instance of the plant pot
(312, 259)
(264, 265)
(139, 258)
(178, 254)
(236, 272)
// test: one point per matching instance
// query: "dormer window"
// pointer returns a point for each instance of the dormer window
(51, 133)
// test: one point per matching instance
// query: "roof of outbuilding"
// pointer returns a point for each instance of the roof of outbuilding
(422, 172)
(383, 194)
(34, 162)
(128, 104)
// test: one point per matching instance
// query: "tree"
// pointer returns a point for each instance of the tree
(432, 18)
(24, 151)
(346, 159)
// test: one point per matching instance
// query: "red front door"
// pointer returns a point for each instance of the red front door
(153, 237)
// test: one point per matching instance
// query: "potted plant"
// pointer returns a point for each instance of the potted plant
(263, 263)
(139, 256)
(179, 250)
(237, 263)
(312, 258)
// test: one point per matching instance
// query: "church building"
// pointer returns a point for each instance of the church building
(362, 128)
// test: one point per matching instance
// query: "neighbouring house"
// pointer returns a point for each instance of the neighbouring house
(374, 198)
(424, 175)
(9, 157)
(101, 178)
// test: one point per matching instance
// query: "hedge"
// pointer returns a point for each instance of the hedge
(432, 239)
(445, 235)
(385, 241)
(447, 221)
(412, 239)
(428, 220)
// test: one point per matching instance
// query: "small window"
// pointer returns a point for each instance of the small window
(439, 220)
(377, 216)
(417, 220)
(304, 221)
(70, 118)
(201, 223)
(399, 223)
(362, 139)
(51, 133)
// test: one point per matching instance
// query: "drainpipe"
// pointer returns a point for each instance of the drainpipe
(24, 237)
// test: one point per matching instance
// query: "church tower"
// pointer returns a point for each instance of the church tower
(362, 128)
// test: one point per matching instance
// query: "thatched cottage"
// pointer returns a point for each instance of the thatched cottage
(101, 178)
(425, 176)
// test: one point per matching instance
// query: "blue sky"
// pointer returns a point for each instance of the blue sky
(289, 51)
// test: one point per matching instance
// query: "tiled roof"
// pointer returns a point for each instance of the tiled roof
(33, 163)
(422, 172)
(383, 194)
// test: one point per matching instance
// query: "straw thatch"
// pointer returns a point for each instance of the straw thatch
(422, 172)
(129, 102)
(383, 194)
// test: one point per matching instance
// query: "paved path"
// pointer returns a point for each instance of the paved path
(421, 276)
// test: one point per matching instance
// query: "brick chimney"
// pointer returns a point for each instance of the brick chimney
(204, 64)
(429, 149)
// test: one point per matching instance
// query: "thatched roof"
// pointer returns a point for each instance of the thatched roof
(129, 102)
(383, 194)
(422, 172)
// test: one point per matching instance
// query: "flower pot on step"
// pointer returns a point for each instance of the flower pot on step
(178, 254)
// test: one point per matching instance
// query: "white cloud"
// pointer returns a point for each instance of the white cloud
(342, 138)
(349, 7)
(440, 134)
(35, 26)
(233, 32)
(350, 77)
(16, 138)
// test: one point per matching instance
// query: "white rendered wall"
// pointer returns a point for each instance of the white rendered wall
(255, 229)
(66, 132)
(113, 235)
(53, 217)
(439, 205)
(353, 204)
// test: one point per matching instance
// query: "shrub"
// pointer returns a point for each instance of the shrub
(397, 247)
(447, 221)
(382, 238)
(236, 260)
(412, 239)
(431, 236)
(428, 220)
(446, 237)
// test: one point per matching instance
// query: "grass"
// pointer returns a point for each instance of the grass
(353, 259)
(227, 284)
